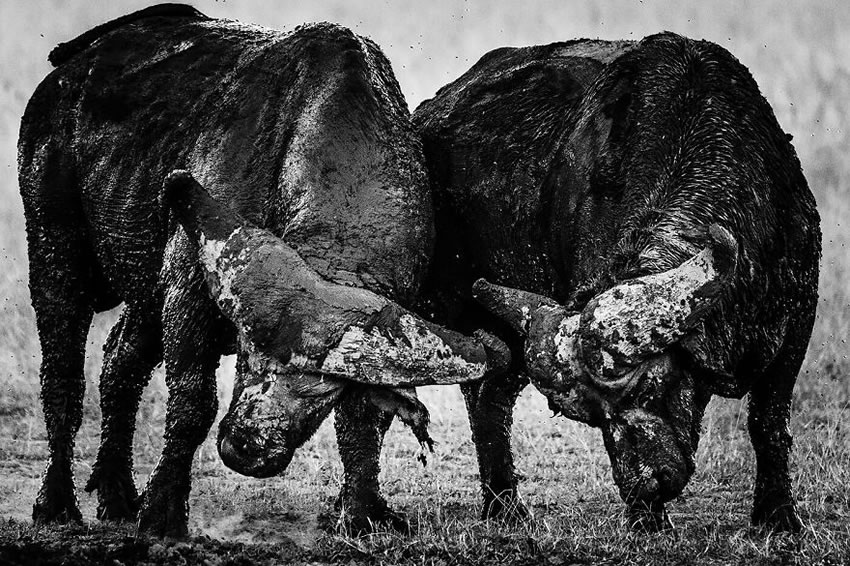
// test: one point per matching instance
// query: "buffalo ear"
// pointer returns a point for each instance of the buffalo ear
(405, 404)
(201, 215)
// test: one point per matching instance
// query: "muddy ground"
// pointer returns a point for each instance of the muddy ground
(578, 516)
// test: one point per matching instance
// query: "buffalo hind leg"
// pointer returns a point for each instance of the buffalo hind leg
(490, 405)
(63, 316)
(194, 334)
(769, 415)
(360, 429)
(131, 352)
(59, 286)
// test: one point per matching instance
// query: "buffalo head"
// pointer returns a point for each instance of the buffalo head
(617, 365)
(302, 340)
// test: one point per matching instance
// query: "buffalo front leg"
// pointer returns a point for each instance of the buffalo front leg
(360, 429)
(490, 405)
(133, 349)
(769, 415)
(193, 333)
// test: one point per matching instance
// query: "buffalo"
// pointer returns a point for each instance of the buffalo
(637, 227)
(241, 190)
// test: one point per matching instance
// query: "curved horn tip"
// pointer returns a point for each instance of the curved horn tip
(492, 297)
(480, 286)
(500, 302)
(196, 209)
(724, 248)
(176, 185)
(177, 176)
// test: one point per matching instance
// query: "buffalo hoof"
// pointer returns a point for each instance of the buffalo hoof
(117, 498)
(649, 518)
(357, 518)
(56, 504)
(164, 514)
(506, 508)
(387, 520)
(778, 518)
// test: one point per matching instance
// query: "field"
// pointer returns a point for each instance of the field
(799, 54)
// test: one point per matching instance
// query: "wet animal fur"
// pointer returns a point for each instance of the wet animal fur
(566, 168)
(303, 133)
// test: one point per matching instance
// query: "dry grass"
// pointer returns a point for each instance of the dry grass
(800, 56)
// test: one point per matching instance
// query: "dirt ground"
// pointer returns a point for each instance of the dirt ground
(578, 516)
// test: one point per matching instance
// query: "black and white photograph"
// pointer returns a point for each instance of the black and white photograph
(445, 283)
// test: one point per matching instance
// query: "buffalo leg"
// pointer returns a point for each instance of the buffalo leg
(490, 405)
(769, 415)
(63, 316)
(59, 266)
(133, 349)
(193, 333)
(360, 429)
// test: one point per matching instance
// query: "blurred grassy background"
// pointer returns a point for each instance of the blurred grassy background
(799, 54)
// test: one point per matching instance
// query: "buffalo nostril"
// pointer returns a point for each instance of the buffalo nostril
(241, 444)
(233, 449)
(665, 478)
(651, 489)
(227, 450)
(239, 455)
(244, 455)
